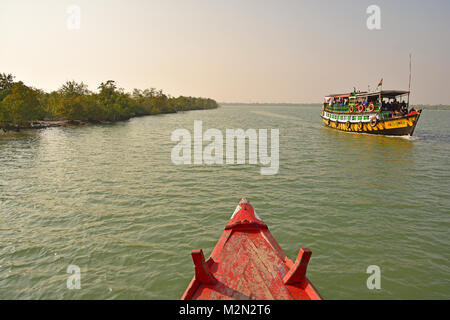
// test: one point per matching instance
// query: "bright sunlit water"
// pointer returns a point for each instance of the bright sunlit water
(108, 199)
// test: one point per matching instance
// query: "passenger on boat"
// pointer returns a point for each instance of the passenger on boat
(412, 111)
(404, 108)
(389, 106)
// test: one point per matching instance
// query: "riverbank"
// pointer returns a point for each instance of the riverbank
(25, 107)
(44, 124)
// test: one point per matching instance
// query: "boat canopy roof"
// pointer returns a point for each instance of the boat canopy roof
(384, 94)
(339, 95)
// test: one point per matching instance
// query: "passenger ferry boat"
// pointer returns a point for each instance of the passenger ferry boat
(383, 112)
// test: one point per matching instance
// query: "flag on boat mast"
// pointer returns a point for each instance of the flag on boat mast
(380, 84)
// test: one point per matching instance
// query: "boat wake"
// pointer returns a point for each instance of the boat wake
(410, 138)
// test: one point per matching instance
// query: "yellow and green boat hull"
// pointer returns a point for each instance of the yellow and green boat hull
(400, 126)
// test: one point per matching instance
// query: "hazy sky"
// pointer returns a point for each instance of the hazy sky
(231, 50)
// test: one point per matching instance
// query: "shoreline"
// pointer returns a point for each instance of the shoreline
(44, 124)
(23, 107)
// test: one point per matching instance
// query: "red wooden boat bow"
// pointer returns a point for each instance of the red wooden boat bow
(248, 263)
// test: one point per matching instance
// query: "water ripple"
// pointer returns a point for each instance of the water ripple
(109, 199)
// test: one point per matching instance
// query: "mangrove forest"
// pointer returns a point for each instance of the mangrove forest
(22, 106)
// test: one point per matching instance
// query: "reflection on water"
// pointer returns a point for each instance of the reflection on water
(109, 199)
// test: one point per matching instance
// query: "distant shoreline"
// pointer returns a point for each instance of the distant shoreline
(44, 124)
(280, 104)
(25, 107)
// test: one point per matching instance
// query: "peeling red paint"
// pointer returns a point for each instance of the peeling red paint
(248, 263)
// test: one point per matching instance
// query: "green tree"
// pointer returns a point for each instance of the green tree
(6, 84)
(21, 105)
(6, 81)
(69, 101)
(73, 89)
(108, 91)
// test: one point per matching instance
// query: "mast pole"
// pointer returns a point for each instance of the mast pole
(409, 86)
(379, 96)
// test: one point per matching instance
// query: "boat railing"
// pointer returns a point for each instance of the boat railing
(346, 109)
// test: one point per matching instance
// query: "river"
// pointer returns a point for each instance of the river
(109, 199)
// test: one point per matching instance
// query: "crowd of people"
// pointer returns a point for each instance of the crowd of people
(338, 102)
(394, 106)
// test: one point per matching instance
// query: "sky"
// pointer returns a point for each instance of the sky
(230, 50)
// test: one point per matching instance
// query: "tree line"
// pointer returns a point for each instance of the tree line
(21, 104)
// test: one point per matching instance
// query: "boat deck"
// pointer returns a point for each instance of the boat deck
(247, 263)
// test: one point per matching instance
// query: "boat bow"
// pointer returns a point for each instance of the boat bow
(248, 263)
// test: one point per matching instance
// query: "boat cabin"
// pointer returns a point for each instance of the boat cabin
(389, 103)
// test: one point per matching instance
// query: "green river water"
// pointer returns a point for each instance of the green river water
(108, 199)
